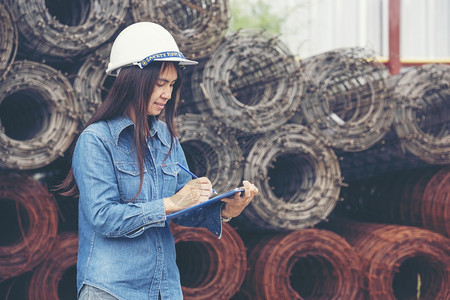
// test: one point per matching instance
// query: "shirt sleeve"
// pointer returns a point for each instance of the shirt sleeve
(99, 201)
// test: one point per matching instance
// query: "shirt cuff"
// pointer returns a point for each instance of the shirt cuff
(154, 213)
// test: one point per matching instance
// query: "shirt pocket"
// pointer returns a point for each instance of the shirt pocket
(129, 180)
(170, 178)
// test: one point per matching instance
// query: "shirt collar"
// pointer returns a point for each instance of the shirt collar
(159, 130)
(119, 124)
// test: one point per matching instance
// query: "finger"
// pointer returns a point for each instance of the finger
(206, 184)
(228, 200)
(206, 194)
(209, 190)
(203, 180)
(254, 190)
(203, 199)
(247, 188)
(250, 187)
(195, 183)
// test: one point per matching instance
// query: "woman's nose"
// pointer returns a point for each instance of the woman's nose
(167, 92)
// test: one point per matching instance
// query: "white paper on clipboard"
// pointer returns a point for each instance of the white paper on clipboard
(203, 204)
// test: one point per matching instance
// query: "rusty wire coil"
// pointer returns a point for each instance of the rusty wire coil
(62, 31)
(423, 113)
(29, 224)
(9, 41)
(91, 83)
(394, 197)
(251, 82)
(415, 198)
(198, 26)
(210, 268)
(436, 203)
(55, 278)
(395, 258)
(348, 98)
(304, 264)
(298, 178)
(38, 115)
(211, 150)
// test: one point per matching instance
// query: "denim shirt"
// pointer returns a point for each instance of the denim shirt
(126, 247)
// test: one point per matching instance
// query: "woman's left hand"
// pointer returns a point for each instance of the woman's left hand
(234, 206)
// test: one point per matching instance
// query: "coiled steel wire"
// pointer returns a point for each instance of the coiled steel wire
(415, 198)
(210, 268)
(304, 264)
(298, 178)
(386, 156)
(211, 150)
(55, 278)
(62, 37)
(9, 41)
(399, 262)
(91, 83)
(198, 26)
(192, 79)
(422, 119)
(348, 98)
(31, 223)
(38, 114)
(251, 82)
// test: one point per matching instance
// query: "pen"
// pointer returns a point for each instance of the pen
(192, 174)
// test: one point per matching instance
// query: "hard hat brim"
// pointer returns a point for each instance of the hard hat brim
(114, 71)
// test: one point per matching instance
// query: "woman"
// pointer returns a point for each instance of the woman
(124, 169)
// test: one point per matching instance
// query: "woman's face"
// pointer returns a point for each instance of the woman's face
(162, 92)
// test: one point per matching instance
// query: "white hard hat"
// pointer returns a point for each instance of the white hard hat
(141, 43)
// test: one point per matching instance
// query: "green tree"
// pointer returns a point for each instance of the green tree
(257, 14)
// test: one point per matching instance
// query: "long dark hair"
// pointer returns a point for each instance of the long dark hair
(131, 90)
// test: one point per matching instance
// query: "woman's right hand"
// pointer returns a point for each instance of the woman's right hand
(194, 192)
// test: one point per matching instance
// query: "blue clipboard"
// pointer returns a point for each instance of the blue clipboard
(203, 204)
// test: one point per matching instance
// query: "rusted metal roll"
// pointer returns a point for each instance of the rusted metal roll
(298, 178)
(251, 82)
(15, 287)
(60, 31)
(388, 198)
(210, 268)
(38, 114)
(91, 83)
(211, 150)
(55, 278)
(304, 264)
(198, 26)
(415, 198)
(348, 98)
(29, 224)
(9, 41)
(423, 112)
(436, 202)
(399, 262)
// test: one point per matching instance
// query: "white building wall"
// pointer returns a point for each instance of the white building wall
(425, 29)
(317, 26)
(331, 24)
